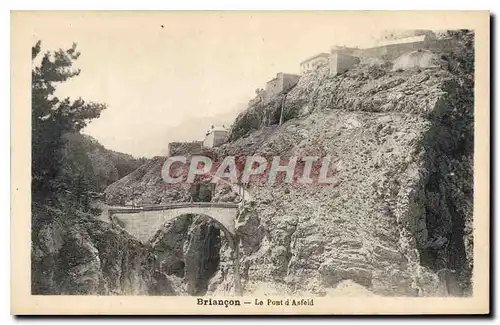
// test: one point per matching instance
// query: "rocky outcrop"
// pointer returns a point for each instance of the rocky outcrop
(397, 221)
(145, 186)
(77, 254)
(263, 113)
(309, 239)
(399, 215)
(187, 249)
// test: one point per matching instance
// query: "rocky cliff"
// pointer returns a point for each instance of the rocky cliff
(77, 254)
(397, 221)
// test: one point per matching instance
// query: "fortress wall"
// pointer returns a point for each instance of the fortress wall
(313, 64)
(183, 148)
(289, 81)
(282, 82)
(393, 51)
(220, 137)
(215, 138)
(274, 87)
(209, 140)
(341, 62)
(442, 45)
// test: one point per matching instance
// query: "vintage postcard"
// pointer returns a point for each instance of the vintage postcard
(239, 162)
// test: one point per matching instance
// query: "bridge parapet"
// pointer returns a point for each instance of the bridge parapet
(190, 204)
(137, 209)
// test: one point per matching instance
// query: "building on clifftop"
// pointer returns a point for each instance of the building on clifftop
(314, 62)
(282, 83)
(216, 137)
(341, 61)
(390, 49)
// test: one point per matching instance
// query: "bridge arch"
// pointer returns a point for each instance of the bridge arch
(144, 222)
(228, 234)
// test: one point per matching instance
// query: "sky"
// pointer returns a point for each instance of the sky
(169, 76)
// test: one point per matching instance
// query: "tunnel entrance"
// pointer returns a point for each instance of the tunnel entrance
(202, 191)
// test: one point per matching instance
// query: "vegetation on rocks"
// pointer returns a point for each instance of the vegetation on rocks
(397, 221)
(72, 252)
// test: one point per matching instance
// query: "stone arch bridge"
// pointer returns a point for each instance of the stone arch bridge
(143, 222)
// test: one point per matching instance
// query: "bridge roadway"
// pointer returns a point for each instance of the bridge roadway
(144, 221)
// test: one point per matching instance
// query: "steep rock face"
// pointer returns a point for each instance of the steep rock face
(397, 220)
(187, 250)
(77, 254)
(308, 239)
(370, 86)
(263, 113)
(145, 186)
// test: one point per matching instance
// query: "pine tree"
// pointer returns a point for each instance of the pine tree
(52, 117)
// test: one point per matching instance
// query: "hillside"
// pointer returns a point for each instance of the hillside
(70, 247)
(399, 220)
(73, 254)
(396, 222)
(85, 156)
